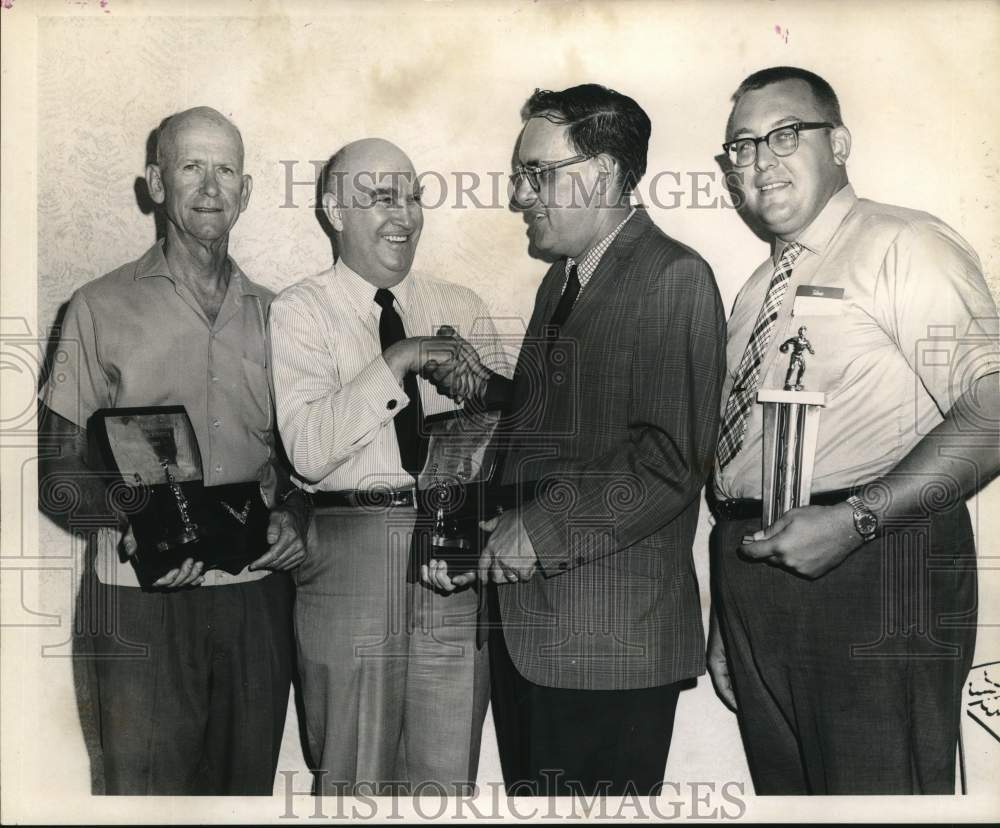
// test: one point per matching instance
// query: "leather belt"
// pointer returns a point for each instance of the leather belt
(371, 499)
(741, 508)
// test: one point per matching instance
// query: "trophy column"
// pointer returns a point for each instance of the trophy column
(791, 426)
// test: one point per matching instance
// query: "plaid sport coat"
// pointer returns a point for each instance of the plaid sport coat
(620, 416)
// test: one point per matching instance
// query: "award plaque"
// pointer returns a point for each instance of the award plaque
(176, 516)
(791, 427)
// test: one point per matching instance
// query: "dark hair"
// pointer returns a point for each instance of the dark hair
(599, 120)
(826, 98)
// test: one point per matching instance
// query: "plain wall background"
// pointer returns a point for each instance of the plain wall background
(918, 88)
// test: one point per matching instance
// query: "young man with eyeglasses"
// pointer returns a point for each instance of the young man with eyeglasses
(614, 402)
(842, 633)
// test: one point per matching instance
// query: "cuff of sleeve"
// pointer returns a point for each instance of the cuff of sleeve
(549, 539)
(379, 387)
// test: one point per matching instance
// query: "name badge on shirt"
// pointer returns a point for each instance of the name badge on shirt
(814, 300)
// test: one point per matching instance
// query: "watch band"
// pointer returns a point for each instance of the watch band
(865, 522)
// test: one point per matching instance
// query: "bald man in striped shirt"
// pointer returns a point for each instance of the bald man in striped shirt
(395, 690)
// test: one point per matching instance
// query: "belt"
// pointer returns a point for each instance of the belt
(741, 508)
(362, 499)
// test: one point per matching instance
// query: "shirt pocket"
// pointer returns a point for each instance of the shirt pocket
(258, 396)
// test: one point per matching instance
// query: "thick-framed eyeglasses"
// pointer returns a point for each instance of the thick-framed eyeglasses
(781, 141)
(533, 174)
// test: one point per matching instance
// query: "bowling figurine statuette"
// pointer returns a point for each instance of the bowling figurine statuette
(791, 427)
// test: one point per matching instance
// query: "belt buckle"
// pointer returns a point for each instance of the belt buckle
(406, 497)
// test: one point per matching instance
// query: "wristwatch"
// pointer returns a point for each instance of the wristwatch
(865, 522)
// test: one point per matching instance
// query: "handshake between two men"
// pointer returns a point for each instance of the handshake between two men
(446, 360)
(453, 366)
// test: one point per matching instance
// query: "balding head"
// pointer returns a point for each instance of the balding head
(371, 199)
(166, 135)
(358, 166)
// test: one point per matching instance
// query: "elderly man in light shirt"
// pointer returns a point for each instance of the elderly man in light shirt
(395, 689)
(190, 677)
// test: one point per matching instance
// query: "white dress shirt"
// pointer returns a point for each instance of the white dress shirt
(335, 396)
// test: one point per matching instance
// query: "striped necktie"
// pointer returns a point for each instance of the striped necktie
(737, 414)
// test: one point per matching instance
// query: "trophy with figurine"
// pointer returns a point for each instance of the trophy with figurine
(791, 428)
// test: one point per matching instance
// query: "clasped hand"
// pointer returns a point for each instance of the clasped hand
(446, 360)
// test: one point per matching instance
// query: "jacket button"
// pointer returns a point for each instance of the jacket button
(391, 404)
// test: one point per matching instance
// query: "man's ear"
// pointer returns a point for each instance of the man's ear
(333, 211)
(607, 180)
(247, 189)
(840, 143)
(154, 183)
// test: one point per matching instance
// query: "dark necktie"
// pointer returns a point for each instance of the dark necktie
(570, 292)
(409, 421)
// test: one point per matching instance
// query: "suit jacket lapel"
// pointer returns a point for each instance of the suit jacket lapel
(609, 268)
(548, 297)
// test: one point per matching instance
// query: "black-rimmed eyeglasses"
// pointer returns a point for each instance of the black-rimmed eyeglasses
(532, 174)
(781, 141)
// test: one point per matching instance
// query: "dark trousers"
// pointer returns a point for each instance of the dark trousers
(851, 683)
(191, 686)
(560, 742)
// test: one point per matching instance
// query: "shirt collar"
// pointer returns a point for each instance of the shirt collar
(154, 263)
(817, 235)
(588, 264)
(361, 293)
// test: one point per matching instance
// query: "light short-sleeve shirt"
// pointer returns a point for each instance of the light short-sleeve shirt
(901, 321)
(138, 337)
(335, 396)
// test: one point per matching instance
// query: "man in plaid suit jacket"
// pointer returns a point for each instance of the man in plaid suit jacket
(614, 407)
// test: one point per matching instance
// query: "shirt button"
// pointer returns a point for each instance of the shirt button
(562, 565)
(218, 467)
(216, 423)
(215, 379)
(391, 404)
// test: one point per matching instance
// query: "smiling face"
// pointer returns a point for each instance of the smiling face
(786, 194)
(374, 207)
(199, 176)
(564, 217)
